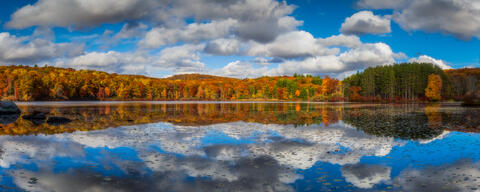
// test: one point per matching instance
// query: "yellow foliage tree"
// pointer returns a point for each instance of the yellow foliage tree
(434, 87)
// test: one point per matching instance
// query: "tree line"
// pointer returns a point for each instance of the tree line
(25, 83)
(409, 81)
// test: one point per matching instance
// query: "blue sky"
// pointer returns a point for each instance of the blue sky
(239, 38)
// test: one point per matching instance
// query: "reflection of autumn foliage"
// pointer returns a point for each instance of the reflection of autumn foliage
(330, 116)
(404, 121)
(97, 117)
(434, 116)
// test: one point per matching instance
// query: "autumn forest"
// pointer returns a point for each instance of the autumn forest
(394, 83)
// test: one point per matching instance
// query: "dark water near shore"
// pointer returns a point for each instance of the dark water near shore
(158, 146)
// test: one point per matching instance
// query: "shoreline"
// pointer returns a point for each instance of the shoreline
(96, 102)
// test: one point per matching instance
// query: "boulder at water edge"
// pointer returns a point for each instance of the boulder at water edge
(8, 107)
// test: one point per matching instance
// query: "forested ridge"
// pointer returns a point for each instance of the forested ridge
(400, 82)
(25, 83)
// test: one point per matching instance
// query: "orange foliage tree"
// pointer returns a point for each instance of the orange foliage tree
(434, 87)
(329, 85)
(355, 96)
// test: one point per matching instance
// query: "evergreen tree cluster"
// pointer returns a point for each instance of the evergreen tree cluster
(405, 81)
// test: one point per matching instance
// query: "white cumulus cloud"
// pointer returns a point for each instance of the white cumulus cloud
(24, 50)
(194, 32)
(365, 22)
(291, 45)
(240, 69)
(427, 59)
(223, 47)
(460, 18)
(79, 13)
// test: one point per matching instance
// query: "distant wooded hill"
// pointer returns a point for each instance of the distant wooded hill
(387, 83)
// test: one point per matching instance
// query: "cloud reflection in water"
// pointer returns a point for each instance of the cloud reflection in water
(234, 156)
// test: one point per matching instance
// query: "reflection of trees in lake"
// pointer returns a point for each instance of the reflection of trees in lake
(95, 117)
(412, 121)
(434, 116)
(399, 122)
(6, 119)
(404, 121)
(169, 157)
(462, 119)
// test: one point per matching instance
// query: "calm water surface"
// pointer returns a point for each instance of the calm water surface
(155, 146)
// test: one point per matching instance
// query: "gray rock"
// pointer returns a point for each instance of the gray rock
(8, 107)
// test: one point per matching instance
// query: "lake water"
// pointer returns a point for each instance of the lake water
(162, 146)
